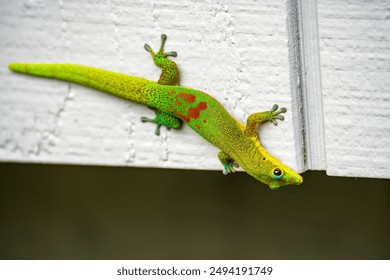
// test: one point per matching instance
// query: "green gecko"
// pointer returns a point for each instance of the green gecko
(172, 104)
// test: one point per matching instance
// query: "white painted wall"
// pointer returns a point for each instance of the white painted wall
(236, 51)
(244, 53)
(355, 70)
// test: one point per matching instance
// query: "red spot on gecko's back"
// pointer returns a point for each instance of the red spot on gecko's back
(195, 112)
(189, 98)
(192, 112)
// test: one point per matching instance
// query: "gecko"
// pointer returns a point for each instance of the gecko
(173, 104)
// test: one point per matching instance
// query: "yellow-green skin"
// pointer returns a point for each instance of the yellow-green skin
(239, 143)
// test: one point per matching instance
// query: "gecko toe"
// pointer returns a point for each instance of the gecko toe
(157, 129)
(229, 168)
(145, 119)
(147, 47)
(173, 54)
(279, 117)
(282, 110)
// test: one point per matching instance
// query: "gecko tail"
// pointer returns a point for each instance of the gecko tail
(67, 72)
(19, 67)
(14, 67)
(54, 71)
(125, 86)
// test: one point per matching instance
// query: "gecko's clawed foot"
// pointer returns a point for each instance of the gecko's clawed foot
(276, 114)
(229, 168)
(160, 53)
(155, 120)
(162, 119)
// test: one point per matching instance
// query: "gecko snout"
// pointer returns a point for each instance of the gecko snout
(298, 180)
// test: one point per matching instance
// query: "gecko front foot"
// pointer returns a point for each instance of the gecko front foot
(275, 114)
(162, 119)
(228, 163)
(229, 168)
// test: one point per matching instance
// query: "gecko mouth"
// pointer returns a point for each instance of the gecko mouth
(294, 181)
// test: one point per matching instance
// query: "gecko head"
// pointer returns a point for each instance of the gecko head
(275, 174)
(281, 175)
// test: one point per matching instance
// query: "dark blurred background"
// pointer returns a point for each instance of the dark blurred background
(82, 212)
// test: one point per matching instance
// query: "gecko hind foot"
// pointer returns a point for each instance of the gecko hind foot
(162, 119)
(160, 53)
(170, 72)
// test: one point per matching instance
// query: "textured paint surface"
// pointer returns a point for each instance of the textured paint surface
(355, 68)
(219, 52)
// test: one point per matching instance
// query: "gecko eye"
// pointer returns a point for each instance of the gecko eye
(277, 173)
